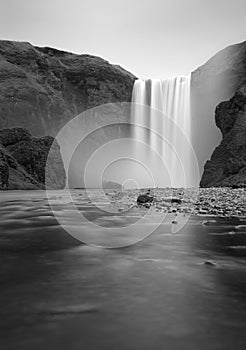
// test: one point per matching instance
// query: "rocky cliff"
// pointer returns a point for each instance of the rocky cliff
(215, 81)
(227, 166)
(41, 89)
(23, 161)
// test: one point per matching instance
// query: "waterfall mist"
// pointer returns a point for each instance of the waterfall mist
(146, 143)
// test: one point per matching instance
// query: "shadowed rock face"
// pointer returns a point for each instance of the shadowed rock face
(227, 166)
(41, 89)
(23, 161)
(215, 81)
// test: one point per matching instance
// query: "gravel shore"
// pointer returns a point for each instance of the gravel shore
(223, 202)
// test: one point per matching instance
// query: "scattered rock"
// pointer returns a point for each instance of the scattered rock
(215, 201)
(203, 211)
(218, 202)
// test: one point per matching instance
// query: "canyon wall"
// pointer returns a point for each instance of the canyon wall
(41, 89)
(215, 81)
(227, 166)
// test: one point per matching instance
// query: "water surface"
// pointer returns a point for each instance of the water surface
(184, 290)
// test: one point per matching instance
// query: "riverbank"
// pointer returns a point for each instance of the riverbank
(214, 201)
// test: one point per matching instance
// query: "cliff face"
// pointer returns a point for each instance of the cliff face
(23, 161)
(215, 81)
(227, 166)
(41, 89)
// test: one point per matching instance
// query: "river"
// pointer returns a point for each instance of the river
(184, 290)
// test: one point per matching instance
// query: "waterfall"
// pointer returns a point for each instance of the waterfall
(161, 119)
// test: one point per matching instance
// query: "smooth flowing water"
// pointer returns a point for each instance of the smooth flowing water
(162, 293)
(161, 109)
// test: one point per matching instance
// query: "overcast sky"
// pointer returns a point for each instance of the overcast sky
(150, 38)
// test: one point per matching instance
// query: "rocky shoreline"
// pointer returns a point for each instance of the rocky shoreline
(223, 202)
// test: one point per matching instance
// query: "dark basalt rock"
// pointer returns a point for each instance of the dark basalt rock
(23, 161)
(12, 136)
(227, 166)
(144, 198)
(41, 89)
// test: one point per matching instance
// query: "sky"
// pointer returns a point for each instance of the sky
(150, 38)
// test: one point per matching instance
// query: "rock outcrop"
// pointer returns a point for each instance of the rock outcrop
(23, 161)
(215, 81)
(227, 166)
(41, 89)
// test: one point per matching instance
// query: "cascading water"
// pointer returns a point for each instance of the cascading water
(161, 119)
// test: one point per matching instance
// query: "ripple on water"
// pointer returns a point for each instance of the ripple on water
(66, 310)
(222, 233)
(238, 247)
(240, 227)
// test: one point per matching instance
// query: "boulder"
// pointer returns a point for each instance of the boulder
(144, 198)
